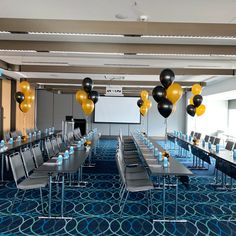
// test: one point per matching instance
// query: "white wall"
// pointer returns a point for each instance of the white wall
(215, 118)
(52, 108)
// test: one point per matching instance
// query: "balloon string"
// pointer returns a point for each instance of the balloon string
(165, 131)
(195, 124)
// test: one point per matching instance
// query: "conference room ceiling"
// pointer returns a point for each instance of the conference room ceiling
(57, 45)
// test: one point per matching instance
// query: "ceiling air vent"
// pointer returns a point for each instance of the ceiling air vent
(132, 35)
(130, 53)
(18, 32)
(127, 65)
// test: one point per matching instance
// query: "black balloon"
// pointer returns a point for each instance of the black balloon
(87, 84)
(167, 77)
(19, 97)
(158, 93)
(191, 110)
(197, 100)
(93, 95)
(140, 102)
(165, 107)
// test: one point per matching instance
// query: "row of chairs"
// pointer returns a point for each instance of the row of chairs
(24, 166)
(213, 140)
(134, 176)
(7, 135)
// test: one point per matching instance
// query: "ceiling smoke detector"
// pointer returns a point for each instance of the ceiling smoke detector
(143, 18)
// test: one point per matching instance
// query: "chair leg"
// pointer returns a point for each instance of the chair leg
(123, 206)
(151, 202)
(41, 196)
(122, 195)
(14, 201)
(23, 196)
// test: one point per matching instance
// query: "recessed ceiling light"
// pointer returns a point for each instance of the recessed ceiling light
(121, 16)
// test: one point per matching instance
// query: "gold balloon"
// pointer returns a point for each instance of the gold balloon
(144, 95)
(143, 110)
(196, 89)
(81, 96)
(25, 106)
(174, 92)
(29, 96)
(147, 103)
(191, 100)
(200, 110)
(24, 86)
(88, 106)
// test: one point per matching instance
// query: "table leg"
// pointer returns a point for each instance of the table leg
(50, 196)
(176, 198)
(2, 168)
(62, 194)
(164, 197)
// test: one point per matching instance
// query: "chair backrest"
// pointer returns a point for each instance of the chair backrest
(28, 160)
(229, 145)
(49, 148)
(19, 133)
(212, 139)
(198, 136)
(14, 135)
(55, 146)
(192, 133)
(206, 138)
(37, 154)
(6, 136)
(217, 141)
(17, 167)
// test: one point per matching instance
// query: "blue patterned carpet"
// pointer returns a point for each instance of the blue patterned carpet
(94, 209)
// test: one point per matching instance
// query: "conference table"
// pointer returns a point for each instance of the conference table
(156, 169)
(72, 165)
(225, 162)
(16, 145)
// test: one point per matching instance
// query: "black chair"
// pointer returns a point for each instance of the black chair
(198, 136)
(216, 141)
(6, 136)
(212, 139)
(192, 133)
(206, 139)
(229, 145)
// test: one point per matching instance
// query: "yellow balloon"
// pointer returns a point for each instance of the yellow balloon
(29, 96)
(81, 96)
(143, 110)
(144, 95)
(24, 86)
(147, 103)
(196, 89)
(25, 106)
(191, 100)
(88, 106)
(200, 110)
(174, 92)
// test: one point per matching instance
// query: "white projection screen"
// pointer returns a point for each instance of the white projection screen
(117, 110)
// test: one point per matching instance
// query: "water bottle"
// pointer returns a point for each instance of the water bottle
(209, 146)
(79, 144)
(59, 160)
(234, 154)
(160, 156)
(71, 149)
(35, 133)
(19, 139)
(217, 148)
(53, 129)
(39, 133)
(46, 131)
(203, 143)
(156, 152)
(11, 141)
(49, 130)
(66, 154)
(165, 162)
(30, 135)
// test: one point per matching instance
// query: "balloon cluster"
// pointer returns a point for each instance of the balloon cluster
(143, 103)
(167, 95)
(87, 97)
(195, 102)
(24, 97)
